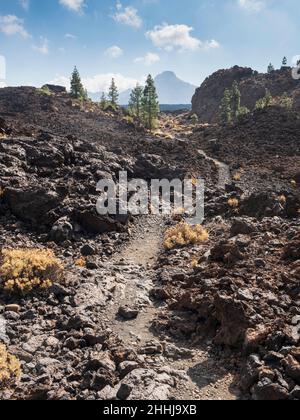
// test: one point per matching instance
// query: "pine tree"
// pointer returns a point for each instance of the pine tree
(113, 94)
(235, 100)
(226, 107)
(270, 68)
(264, 102)
(194, 119)
(268, 98)
(135, 102)
(150, 103)
(77, 89)
(103, 102)
(284, 62)
(243, 112)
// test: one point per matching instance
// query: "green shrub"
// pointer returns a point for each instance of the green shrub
(45, 90)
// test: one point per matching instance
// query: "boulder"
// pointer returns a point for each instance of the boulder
(55, 88)
(96, 224)
(61, 231)
(32, 204)
(266, 390)
(242, 226)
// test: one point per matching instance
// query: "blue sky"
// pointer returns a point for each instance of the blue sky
(42, 40)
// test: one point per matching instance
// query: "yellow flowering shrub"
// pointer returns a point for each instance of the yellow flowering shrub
(22, 270)
(184, 234)
(10, 368)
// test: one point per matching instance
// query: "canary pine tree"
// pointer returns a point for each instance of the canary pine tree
(226, 107)
(77, 89)
(113, 94)
(150, 103)
(135, 102)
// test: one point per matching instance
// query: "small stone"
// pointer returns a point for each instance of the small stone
(273, 356)
(128, 313)
(100, 360)
(59, 290)
(87, 250)
(292, 368)
(124, 392)
(12, 308)
(51, 342)
(126, 367)
(295, 394)
(107, 393)
(265, 390)
(72, 343)
(30, 314)
(11, 316)
(151, 348)
(245, 294)
(91, 265)
(296, 320)
(260, 263)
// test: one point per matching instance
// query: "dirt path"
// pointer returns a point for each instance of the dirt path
(223, 170)
(136, 264)
(200, 375)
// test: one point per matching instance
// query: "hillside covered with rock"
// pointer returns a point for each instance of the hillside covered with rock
(146, 307)
(253, 86)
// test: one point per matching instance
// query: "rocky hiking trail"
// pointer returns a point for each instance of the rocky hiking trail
(189, 372)
(224, 176)
(131, 313)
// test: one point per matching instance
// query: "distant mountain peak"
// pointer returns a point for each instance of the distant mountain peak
(166, 74)
(171, 90)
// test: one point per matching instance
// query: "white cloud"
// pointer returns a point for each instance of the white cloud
(12, 25)
(148, 59)
(114, 52)
(43, 47)
(101, 82)
(211, 45)
(128, 16)
(24, 4)
(251, 5)
(70, 36)
(178, 37)
(75, 5)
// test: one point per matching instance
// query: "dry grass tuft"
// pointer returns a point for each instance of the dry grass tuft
(80, 262)
(10, 368)
(233, 202)
(282, 199)
(293, 183)
(237, 176)
(24, 270)
(184, 234)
